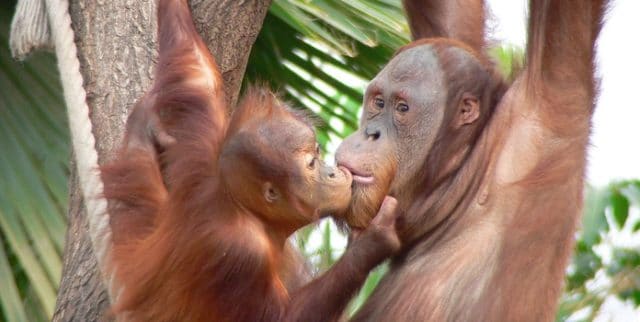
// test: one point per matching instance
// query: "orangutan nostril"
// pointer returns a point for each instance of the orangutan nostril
(373, 134)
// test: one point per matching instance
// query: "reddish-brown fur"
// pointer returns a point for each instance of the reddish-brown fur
(491, 212)
(187, 246)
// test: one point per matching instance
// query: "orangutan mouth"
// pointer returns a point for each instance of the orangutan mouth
(358, 176)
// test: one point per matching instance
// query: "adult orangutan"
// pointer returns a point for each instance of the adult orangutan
(489, 176)
(201, 207)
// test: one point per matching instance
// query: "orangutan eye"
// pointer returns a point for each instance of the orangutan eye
(402, 107)
(312, 164)
(379, 103)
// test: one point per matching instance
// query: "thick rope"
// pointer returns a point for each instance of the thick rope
(82, 138)
(29, 29)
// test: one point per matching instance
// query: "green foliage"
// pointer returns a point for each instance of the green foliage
(606, 261)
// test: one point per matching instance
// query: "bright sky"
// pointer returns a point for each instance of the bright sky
(615, 150)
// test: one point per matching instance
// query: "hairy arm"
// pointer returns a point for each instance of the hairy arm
(133, 185)
(182, 118)
(188, 98)
(552, 101)
(560, 57)
(462, 20)
(325, 298)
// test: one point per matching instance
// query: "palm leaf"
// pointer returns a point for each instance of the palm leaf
(33, 179)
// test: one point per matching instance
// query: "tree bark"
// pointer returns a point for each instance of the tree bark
(117, 48)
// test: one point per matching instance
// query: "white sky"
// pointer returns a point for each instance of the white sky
(615, 148)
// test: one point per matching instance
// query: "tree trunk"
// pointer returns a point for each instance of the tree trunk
(116, 42)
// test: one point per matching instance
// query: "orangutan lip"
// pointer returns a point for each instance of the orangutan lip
(363, 180)
(357, 176)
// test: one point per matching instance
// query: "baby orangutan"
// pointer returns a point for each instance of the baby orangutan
(201, 206)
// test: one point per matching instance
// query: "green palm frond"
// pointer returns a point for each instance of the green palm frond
(33, 182)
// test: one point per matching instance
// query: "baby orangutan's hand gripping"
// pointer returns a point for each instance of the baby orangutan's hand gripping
(330, 293)
(144, 128)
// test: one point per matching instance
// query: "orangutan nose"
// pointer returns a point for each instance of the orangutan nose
(372, 133)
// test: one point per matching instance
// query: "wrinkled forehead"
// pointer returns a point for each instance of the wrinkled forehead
(413, 68)
(413, 62)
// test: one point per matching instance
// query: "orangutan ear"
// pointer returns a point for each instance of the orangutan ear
(270, 192)
(468, 110)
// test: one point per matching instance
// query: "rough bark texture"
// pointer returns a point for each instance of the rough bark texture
(81, 295)
(116, 40)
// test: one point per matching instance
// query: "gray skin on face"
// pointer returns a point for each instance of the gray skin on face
(403, 109)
